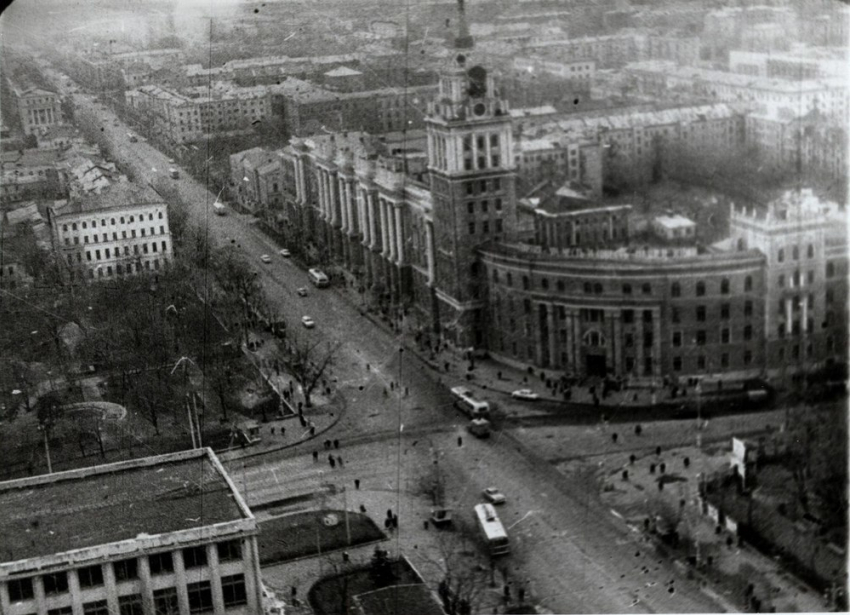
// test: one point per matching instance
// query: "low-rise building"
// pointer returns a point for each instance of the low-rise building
(118, 232)
(674, 227)
(165, 534)
(31, 174)
(37, 108)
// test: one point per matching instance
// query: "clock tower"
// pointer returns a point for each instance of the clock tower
(471, 166)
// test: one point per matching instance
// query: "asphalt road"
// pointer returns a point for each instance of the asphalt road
(578, 556)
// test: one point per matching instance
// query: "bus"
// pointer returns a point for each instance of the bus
(474, 408)
(492, 530)
(219, 208)
(318, 278)
(174, 173)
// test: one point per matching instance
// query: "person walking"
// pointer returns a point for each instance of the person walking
(315, 456)
(357, 483)
(339, 460)
(336, 444)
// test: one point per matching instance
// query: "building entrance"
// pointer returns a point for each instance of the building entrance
(595, 364)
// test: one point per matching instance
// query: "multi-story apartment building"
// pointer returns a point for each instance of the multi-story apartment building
(659, 79)
(748, 28)
(580, 70)
(576, 294)
(308, 109)
(31, 174)
(256, 178)
(804, 63)
(37, 108)
(608, 51)
(678, 48)
(166, 534)
(120, 231)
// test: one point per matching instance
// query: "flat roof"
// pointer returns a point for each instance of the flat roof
(55, 513)
(675, 221)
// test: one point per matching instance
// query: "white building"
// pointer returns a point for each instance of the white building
(166, 534)
(674, 227)
(121, 231)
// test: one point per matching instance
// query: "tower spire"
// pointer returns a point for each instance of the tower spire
(463, 40)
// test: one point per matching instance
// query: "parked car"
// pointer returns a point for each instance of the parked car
(285, 253)
(266, 259)
(308, 322)
(527, 394)
(493, 495)
(302, 292)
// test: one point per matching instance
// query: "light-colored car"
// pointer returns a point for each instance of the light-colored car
(525, 394)
(266, 259)
(493, 495)
(285, 253)
(302, 292)
(308, 322)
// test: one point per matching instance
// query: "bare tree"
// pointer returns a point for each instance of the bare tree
(464, 578)
(309, 361)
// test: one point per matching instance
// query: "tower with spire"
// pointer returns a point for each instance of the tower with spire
(471, 167)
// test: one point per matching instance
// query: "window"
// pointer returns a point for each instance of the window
(544, 283)
(588, 288)
(498, 204)
(628, 316)
(647, 339)
(130, 605)
(748, 308)
(701, 337)
(627, 289)
(724, 286)
(472, 228)
(126, 569)
(470, 188)
(233, 590)
(677, 364)
(700, 289)
(20, 589)
(525, 283)
(165, 601)
(55, 583)
(510, 279)
(98, 607)
(724, 311)
(597, 288)
(748, 356)
(724, 360)
(91, 576)
(795, 253)
(748, 283)
(780, 281)
(62, 610)
(675, 317)
(560, 286)
(484, 206)
(810, 251)
(748, 332)
(161, 563)
(229, 551)
(700, 313)
(200, 596)
(498, 226)
(780, 256)
(701, 362)
(470, 207)
(195, 557)
(677, 338)
(724, 336)
(629, 340)
(830, 270)
(646, 289)
(810, 277)
(675, 290)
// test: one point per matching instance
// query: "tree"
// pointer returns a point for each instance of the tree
(464, 580)
(381, 569)
(309, 361)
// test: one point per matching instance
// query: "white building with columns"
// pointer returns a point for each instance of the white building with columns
(166, 534)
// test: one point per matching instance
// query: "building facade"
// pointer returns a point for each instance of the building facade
(37, 109)
(169, 534)
(116, 233)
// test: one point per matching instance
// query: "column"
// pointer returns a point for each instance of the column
(656, 342)
(40, 602)
(145, 587)
(251, 565)
(74, 590)
(298, 187)
(399, 231)
(5, 605)
(110, 588)
(429, 250)
(789, 315)
(639, 342)
(340, 182)
(553, 334)
(321, 184)
(333, 187)
(372, 209)
(805, 317)
(349, 204)
(215, 579)
(361, 215)
(571, 363)
(577, 342)
(382, 204)
(301, 177)
(391, 234)
(618, 343)
(180, 581)
(608, 332)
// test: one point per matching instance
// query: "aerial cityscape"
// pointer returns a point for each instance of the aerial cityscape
(440, 307)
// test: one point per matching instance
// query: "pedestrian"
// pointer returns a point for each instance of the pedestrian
(387, 523)
(395, 521)
(272, 430)
(389, 513)
(362, 508)
(357, 483)
(507, 594)
(282, 431)
(336, 444)
(339, 461)
(521, 594)
(294, 591)
(460, 441)
(315, 456)
(313, 430)
(331, 460)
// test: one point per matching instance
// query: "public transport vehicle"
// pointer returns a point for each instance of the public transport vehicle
(318, 278)
(175, 174)
(219, 208)
(474, 408)
(492, 530)
(480, 428)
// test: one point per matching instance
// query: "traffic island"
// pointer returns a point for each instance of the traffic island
(314, 533)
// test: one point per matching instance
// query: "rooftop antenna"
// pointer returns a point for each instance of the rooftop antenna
(463, 40)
